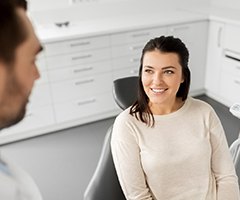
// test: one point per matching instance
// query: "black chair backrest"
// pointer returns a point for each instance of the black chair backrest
(104, 184)
(125, 91)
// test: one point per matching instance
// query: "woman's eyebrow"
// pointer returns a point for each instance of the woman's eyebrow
(169, 67)
(148, 66)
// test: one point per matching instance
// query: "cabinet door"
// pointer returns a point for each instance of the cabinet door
(214, 58)
(232, 39)
(194, 36)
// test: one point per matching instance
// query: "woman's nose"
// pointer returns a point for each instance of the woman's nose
(158, 78)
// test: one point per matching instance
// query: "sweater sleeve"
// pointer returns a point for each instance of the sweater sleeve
(126, 157)
(222, 163)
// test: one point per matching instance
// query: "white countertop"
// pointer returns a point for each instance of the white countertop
(49, 32)
(123, 18)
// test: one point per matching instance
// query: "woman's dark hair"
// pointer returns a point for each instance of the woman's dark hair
(166, 44)
(12, 34)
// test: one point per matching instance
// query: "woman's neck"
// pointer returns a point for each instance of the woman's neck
(164, 109)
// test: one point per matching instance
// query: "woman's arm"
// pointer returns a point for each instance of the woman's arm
(126, 156)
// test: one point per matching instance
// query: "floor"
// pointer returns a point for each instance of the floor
(62, 163)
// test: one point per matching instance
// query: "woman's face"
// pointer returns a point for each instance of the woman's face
(161, 78)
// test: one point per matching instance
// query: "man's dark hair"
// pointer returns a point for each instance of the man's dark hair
(12, 33)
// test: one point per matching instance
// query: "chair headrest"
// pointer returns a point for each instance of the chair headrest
(125, 91)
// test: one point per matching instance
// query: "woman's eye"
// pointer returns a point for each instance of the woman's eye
(148, 71)
(169, 72)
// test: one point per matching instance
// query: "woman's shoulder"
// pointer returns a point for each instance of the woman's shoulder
(125, 115)
(198, 104)
(124, 127)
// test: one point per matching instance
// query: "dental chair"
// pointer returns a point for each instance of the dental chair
(104, 184)
(235, 146)
(235, 151)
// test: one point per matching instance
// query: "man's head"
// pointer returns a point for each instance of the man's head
(19, 47)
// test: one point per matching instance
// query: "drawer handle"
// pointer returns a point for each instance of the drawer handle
(84, 81)
(79, 44)
(82, 69)
(133, 60)
(140, 35)
(237, 82)
(82, 57)
(219, 37)
(132, 48)
(80, 103)
(238, 67)
(233, 58)
(134, 71)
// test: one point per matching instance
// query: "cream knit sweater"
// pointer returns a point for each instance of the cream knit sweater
(184, 157)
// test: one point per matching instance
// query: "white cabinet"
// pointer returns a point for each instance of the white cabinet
(230, 81)
(194, 35)
(232, 39)
(214, 58)
(223, 63)
(230, 68)
(127, 49)
(80, 76)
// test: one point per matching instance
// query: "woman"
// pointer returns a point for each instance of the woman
(168, 146)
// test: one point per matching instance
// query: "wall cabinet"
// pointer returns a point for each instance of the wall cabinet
(214, 58)
(77, 75)
(223, 63)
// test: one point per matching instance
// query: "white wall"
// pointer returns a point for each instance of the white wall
(234, 4)
(37, 5)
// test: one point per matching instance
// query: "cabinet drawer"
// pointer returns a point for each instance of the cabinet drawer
(126, 62)
(81, 70)
(84, 107)
(128, 49)
(76, 45)
(143, 35)
(231, 66)
(230, 87)
(232, 39)
(34, 119)
(80, 88)
(78, 58)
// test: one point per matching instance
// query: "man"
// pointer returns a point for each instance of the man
(19, 47)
